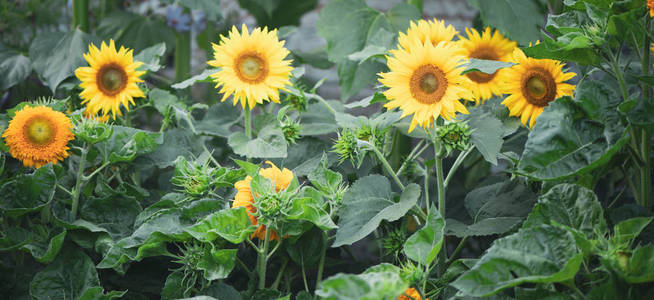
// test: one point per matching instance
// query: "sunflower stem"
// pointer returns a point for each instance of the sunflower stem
(321, 264)
(441, 198)
(385, 163)
(263, 260)
(81, 15)
(457, 163)
(79, 183)
(182, 56)
(248, 126)
(645, 170)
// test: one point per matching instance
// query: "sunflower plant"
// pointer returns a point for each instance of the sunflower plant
(346, 149)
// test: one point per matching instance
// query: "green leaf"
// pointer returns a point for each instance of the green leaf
(127, 143)
(28, 192)
(570, 205)
(318, 120)
(366, 203)
(494, 209)
(45, 248)
(367, 101)
(71, 276)
(628, 230)
(218, 120)
(564, 143)
(519, 20)
(276, 13)
(378, 282)
(233, 224)
(222, 291)
(325, 179)
(150, 57)
(210, 8)
(55, 58)
(176, 142)
(134, 31)
(641, 265)
(485, 66)
(425, 244)
(309, 209)
(542, 254)
(202, 77)
(174, 286)
(539, 293)
(269, 143)
(307, 249)
(217, 263)
(487, 134)
(14, 67)
(349, 26)
(114, 213)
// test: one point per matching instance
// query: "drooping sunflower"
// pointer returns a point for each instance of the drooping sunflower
(109, 80)
(252, 65)
(433, 31)
(412, 295)
(425, 81)
(38, 136)
(532, 84)
(491, 46)
(282, 178)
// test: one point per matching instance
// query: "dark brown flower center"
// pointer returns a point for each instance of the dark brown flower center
(39, 131)
(428, 84)
(111, 79)
(538, 87)
(480, 77)
(251, 68)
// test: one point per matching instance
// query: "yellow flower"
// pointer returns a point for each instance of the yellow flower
(425, 81)
(533, 84)
(282, 178)
(38, 136)
(412, 295)
(433, 31)
(650, 6)
(252, 65)
(100, 118)
(110, 80)
(486, 46)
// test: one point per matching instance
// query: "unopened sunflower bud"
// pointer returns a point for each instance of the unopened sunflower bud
(269, 206)
(346, 145)
(193, 178)
(454, 136)
(92, 131)
(410, 272)
(291, 130)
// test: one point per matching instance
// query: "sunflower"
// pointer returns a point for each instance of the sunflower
(533, 84)
(110, 80)
(282, 178)
(491, 46)
(38, 136)
(100, 118)
(426, 81)
(412, 295)
(252, 65)
(433, 31)
(650, 6)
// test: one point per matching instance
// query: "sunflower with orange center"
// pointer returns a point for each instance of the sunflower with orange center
(38, 136)
(110, 79)
(532, 84)
(425, 81)
(433, 31)
(252, 66)
(490, 46)
(410, 294)
(281, 178)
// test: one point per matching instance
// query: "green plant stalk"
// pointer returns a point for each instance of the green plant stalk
(79, 182)
(440, 180)
(248, 125)
(279, 275)
(81, 15)
(263, 260)
(386, 165)
(321, 264)
(182, 56)
(457, 163)
(427, 204)
(645, 170)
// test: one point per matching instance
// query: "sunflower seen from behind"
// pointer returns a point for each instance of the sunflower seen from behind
(252, 66)
(425, 81)
(489, 46)
(110, 79)
(433, 31)
(532, 84)
(281, 178)
(38, 135)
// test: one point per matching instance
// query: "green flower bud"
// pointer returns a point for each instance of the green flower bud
(393, 243)
(269, 206)
(346, 145)
(454, 136)
(411, 273)
(291, 130)
(91, 131)
(193, 178)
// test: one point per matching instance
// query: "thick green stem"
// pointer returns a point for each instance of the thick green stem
(263, 260)
(279, 275)
(248, 126)
(386, 165)
(81, 15)
(79, 183)
(645, 171)
(321, 264)
(457, 163)
(427, 201)
(182, 56)
(441, 199)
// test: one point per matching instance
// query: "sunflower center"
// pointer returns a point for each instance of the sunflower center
(480, 77)
(111, 79)
(251, 68)
(428, 84)
(538, 87)
(39, 131)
